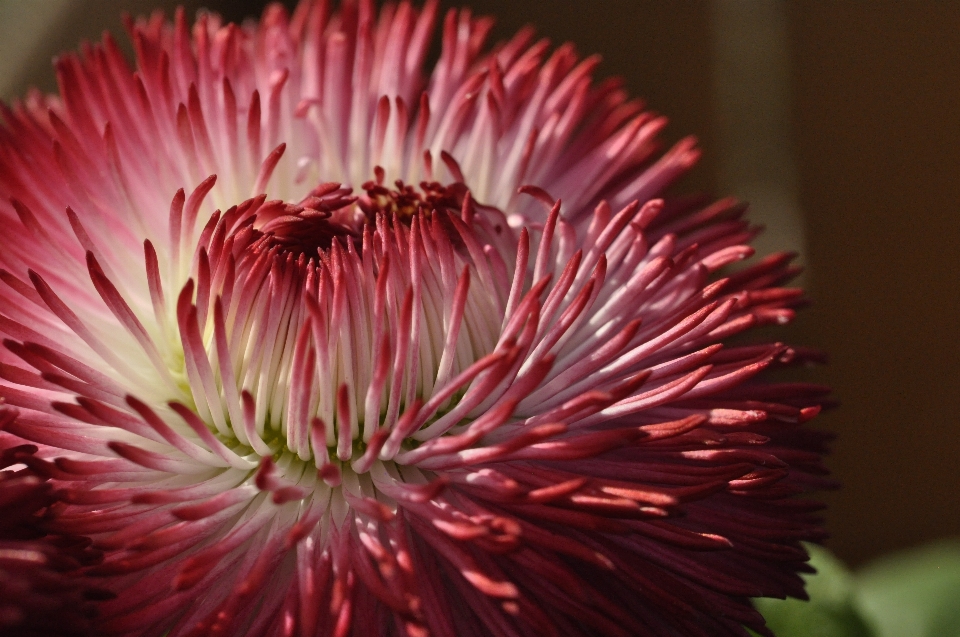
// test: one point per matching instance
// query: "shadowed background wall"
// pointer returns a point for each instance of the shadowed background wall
(869, 142)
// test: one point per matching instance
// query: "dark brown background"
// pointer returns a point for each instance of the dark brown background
(876, 128)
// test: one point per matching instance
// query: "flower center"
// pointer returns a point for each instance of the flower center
(404, 200)
(331, 331)
(330, 213)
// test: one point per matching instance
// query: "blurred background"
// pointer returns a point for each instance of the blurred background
(840, 123)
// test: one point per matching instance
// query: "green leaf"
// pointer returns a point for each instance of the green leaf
(915, 593)
(831, 611)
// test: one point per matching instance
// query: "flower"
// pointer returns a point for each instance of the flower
(38, 593)
(307, 345)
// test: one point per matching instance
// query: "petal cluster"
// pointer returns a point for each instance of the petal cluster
(312, 342)
(40, 593)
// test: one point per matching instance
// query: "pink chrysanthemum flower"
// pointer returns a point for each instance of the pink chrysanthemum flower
(308, 347)
(39, 591)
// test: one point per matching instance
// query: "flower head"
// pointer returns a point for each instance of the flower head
(39, 592)
(308, 346)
